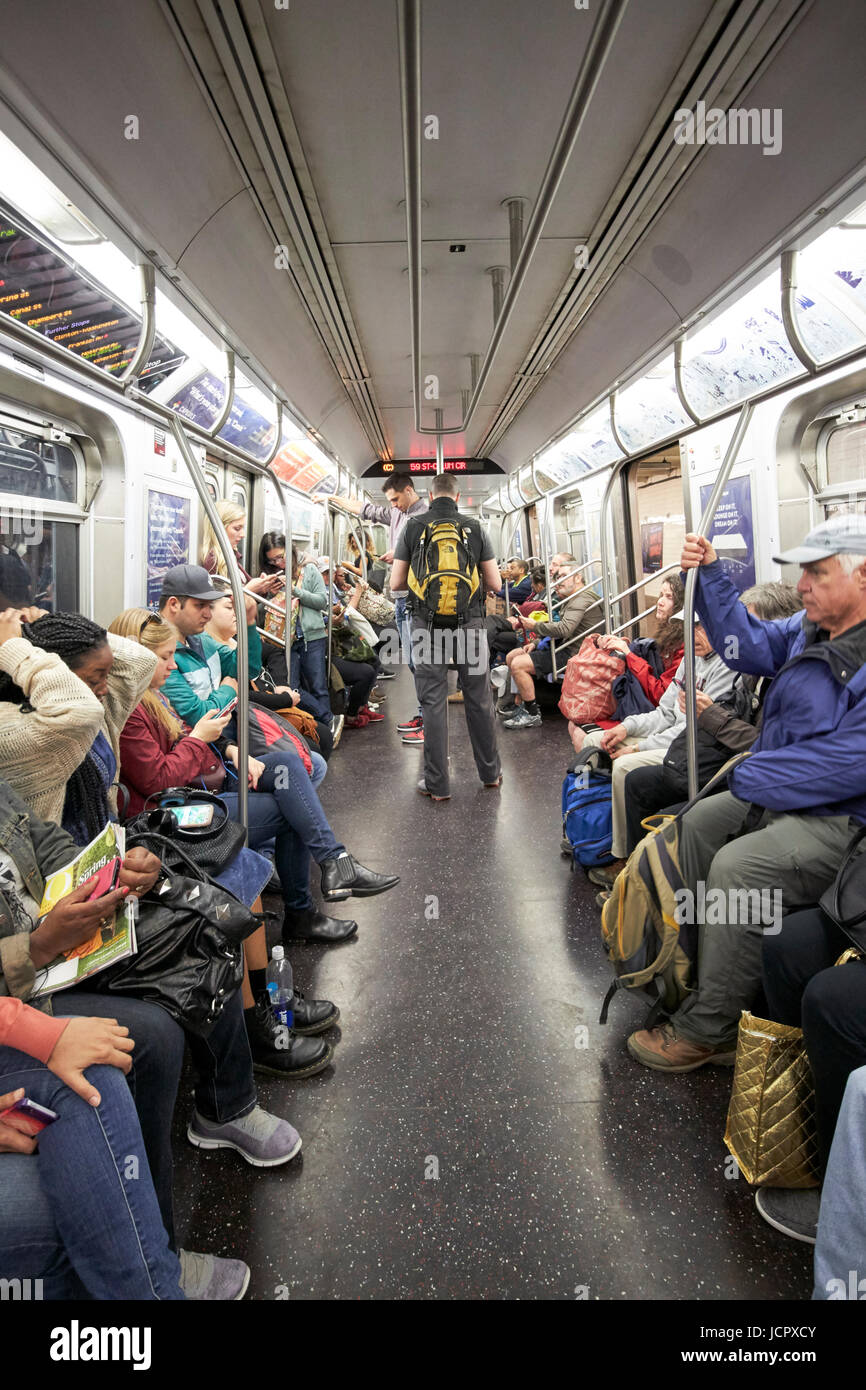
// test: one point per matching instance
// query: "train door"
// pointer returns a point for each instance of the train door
(657, 526)
(42, 520)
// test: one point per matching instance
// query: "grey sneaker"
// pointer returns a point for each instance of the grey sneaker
(792, 1210)
(260, 1138)
(208, 1277)
(521, 719)
(506, 705)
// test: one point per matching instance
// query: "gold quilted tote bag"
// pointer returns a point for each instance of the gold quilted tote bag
(771, 1117)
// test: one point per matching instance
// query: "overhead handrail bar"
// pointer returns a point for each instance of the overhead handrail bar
(706, 521)
(592, 64)
(147, 278)
(789, 312)
(229, 401)
(278, 437)
(237, 587)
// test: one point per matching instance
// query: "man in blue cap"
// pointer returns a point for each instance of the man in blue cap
(774, 841)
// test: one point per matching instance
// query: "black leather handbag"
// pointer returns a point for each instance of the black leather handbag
(845, 900)
(211, 847)
(190, 959)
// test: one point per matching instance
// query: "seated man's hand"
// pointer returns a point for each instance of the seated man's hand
(530, 647)
(139, 871)
(697, 551)
(514, 623)
(12, 1139)
(526, 623)
(702, 701)
(90, 1042)
(612, 738)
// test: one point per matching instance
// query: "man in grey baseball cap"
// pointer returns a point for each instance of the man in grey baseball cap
(189, 581)
(773, 842)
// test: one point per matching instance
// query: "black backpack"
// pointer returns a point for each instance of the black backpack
(443, 576)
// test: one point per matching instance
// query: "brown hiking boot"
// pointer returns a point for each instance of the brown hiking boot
(661, 1049)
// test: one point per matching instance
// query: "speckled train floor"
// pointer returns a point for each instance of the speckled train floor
(479, 1135)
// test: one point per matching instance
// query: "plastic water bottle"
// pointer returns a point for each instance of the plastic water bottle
(280, 990)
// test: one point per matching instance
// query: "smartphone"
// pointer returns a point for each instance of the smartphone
(516, 610)
(227, 709)
(31, 1118)
(104, 881)
(188, 817)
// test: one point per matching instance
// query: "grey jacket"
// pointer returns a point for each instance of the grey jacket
(395, 521)
(659, 727)
(38, 847)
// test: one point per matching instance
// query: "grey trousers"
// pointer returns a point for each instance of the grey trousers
(432, 662)
(788, 859)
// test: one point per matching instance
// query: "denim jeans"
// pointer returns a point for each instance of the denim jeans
(286, 808)
(153, 1079)
(81, 1213)
(403, 623)
(840, 1261)
(309, 670)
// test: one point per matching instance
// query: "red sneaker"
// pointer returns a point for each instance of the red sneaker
(356, 721)
(415, 739)
(372, 716)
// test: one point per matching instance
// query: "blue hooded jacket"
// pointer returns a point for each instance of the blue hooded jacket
(810, 756)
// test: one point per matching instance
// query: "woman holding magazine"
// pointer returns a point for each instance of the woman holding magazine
(101, 1030)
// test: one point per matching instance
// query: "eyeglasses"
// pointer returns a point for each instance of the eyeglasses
(151, 618)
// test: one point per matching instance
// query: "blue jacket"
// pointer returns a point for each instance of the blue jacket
(810, 756)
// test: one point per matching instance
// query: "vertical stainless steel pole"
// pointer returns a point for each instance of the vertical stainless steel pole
(237, 584)
(728, 462)
(287, 527)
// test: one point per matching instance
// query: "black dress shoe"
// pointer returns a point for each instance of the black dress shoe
(313, 1015)
(344, 877)
(280, 1051)
(309, 924)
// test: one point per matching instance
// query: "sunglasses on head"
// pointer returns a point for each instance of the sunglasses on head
(151, 618)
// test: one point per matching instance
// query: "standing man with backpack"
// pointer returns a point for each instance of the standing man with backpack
(447, 562)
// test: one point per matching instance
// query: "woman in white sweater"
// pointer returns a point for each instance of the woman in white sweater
(66, 690)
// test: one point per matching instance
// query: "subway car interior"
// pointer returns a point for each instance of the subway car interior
(290, 268)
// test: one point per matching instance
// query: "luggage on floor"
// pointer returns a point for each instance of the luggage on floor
(586, 808)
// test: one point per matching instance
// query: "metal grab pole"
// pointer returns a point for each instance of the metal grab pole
(243, 675)
(329, 521)
(605, 548)
(691, 589)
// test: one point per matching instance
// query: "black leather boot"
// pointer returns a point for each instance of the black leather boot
(278, 1051)
(313, 1015)
(344, 877)
(309, 924)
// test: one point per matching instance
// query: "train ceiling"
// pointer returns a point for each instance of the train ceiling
(277, 123)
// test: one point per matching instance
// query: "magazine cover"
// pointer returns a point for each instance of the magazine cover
(115, 941)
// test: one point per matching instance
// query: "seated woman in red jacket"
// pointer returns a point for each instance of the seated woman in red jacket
(668, 642)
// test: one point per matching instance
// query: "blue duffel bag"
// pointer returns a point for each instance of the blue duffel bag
(587, 808)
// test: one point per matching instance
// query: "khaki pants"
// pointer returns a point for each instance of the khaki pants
(621, 767)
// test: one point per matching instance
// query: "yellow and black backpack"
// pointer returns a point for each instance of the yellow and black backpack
(443, 577)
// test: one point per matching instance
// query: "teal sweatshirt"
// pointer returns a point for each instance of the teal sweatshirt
(194, 689)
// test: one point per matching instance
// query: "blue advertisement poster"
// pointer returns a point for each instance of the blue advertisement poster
(732, 533)
(168, 527)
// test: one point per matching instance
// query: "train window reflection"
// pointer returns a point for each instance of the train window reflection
(34, 467)
(38, 561)
(741, 352)
(846, 455)
(650, 410)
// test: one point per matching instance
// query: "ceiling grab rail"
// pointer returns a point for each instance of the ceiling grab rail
(147, 279)
(243, 679)
(222, 419)
(728, 462)
(592, 64)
